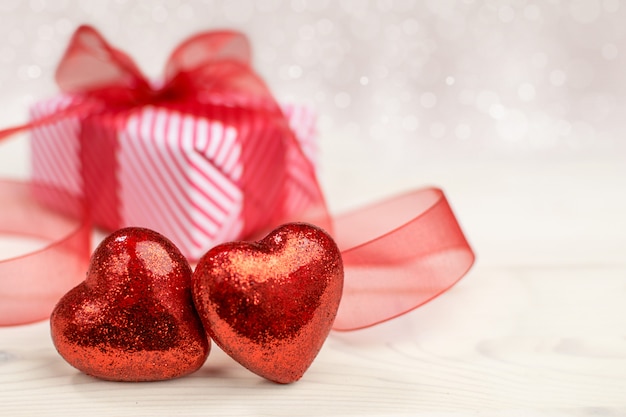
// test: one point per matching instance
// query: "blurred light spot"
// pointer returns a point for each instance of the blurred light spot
(443, 9)
(298, 6)
(317, 5)
(563, 127)
(393, 32)
(380, 71)
(41, 50)
(185, 12)
(7, 54)
(428, 100)
(486, 99)
(303, 52)
(406, 96)
(238, 12)
(437, 130)
(399, 6)
(267, 5)
(450, 80)
(354, 7)
(342, 100)
(26, 100)
(506, 14)
(581, 73)
(526, 92)
(9, 5)
(324, 26)
(16, 37)
(277, 37)
(585, 11)
(33, 71)
(410, 123)
(27, 72)
(410, 26)
(497, 111)
(159, 14)
(364, 80)
(37, 5)
(365, 26)
(609, 51)
(463, 131)
(513, 126)
(266, 53)
(63, 26)
(325, 122)
(467, 97)
(539, 60)
(611, 6)
(378, 131)
(306, 32)
(557, 78)
(320, 96)
(532, 12)
(45, 32)
(582, 136)
(294, 71)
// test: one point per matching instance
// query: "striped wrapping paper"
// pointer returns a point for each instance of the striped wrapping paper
(177, 173)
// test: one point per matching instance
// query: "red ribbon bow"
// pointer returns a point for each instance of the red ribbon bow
(208, 64)
(207, 70)
(397, 254)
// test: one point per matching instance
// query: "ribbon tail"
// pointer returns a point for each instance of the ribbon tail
(8, 132)
(401, 253)
(77, 108)
(32, 283)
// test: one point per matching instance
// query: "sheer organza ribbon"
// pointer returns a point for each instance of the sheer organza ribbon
(398, 254)
(31, 283)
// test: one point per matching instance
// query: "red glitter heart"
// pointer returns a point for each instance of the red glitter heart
(271, 304)
(132, 319)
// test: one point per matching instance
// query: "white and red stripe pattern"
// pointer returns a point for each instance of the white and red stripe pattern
(55, 147)
(178, 174)
(55, 155)
(303, 123)
(197, 180)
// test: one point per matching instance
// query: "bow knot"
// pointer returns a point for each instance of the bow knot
(207, 65)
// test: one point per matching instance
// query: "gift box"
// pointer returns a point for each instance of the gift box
(176, 173)
(200, 169)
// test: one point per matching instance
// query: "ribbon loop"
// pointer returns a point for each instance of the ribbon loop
(208, 48)
(91, 66)
(398, 254)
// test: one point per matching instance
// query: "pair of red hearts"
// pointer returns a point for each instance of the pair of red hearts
(142, 314)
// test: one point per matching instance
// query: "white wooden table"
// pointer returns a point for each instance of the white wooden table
(506, 341)
(537, 328)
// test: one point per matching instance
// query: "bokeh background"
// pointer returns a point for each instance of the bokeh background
(516, 108)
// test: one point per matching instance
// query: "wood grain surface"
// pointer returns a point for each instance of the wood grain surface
(505, 342)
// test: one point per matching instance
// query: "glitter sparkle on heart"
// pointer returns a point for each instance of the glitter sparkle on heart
(132, 319)
(270, 304)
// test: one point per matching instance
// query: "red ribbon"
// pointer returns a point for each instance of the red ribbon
(32, 283)
(397, 254)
